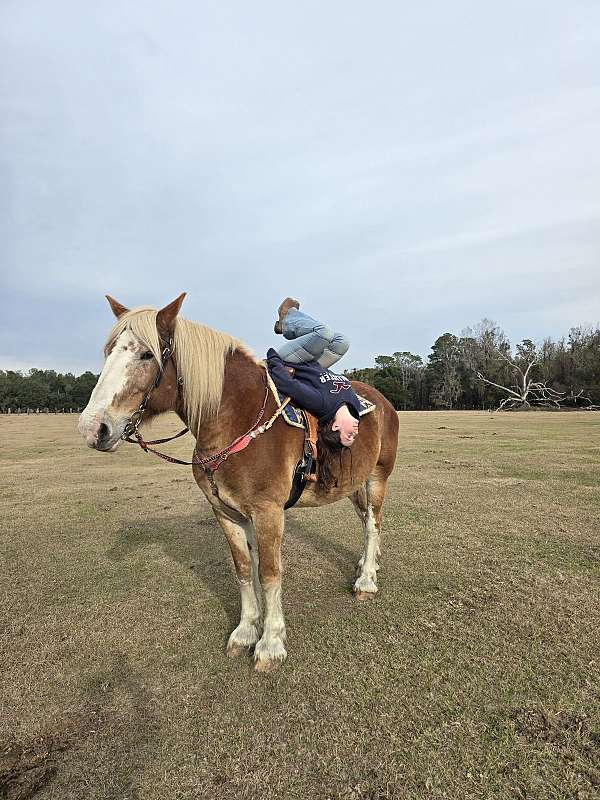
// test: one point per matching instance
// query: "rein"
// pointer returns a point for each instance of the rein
(211, 463)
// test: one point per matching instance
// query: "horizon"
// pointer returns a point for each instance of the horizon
(424, 357)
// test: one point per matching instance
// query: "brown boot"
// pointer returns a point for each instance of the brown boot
(288, 303)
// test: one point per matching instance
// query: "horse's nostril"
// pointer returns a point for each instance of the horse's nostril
(103, 432)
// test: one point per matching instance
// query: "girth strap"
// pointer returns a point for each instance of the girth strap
(311, 441)
(306, 468)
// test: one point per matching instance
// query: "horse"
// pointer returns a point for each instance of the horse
(157, 361)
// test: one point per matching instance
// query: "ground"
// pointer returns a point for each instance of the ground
(473, 674)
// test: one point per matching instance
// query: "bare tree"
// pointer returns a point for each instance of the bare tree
(408, 364)
(526, 391)
(443, 368)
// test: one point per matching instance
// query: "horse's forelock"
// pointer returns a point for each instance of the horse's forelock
(142, 323)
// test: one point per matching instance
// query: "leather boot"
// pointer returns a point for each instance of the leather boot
(288, 303)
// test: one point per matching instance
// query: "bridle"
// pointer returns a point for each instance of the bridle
(133, 423)
(210, 464)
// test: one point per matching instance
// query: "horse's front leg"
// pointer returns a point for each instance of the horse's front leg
(248, 631)
(270, 649)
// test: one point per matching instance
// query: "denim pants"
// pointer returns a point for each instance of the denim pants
(310, 340)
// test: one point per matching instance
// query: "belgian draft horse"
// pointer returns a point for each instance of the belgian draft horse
(217, 387)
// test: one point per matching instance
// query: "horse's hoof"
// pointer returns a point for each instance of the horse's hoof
(364, 588)
(242, 639)
(266, 665)
(359, 595)
(269, 654)
(236, 650)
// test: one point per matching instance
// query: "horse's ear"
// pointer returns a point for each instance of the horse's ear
(117, 308)
(165, 319)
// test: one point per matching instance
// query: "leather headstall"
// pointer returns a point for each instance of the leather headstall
(132, 425)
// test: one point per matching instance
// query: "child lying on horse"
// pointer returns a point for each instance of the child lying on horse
(300, 369)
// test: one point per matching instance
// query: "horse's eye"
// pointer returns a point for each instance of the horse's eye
(146, 356)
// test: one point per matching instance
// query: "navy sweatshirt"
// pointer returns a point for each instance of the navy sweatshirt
(312, 387)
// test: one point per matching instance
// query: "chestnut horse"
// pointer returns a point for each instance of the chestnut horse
(217, 388)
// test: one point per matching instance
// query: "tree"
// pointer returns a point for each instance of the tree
(409, 365)
(83, 387)
(366, 375)
(443, 371)
(526, 391)
(526, 353)
(385, 362)
(387, 380)
(484, 348)
(45, 389)
(388, 383)
(584, 352)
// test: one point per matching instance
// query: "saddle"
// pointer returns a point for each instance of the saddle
(306, 469)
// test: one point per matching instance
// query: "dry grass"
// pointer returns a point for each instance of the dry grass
(474, 674)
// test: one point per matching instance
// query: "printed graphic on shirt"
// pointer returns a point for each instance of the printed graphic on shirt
(340, 382)
(338, 386)
(324, 377)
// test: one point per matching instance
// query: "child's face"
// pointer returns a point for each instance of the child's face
(348, 428)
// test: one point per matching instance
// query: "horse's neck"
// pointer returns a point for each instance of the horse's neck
(244, 387)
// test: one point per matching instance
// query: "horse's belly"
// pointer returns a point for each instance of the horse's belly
(311, 496)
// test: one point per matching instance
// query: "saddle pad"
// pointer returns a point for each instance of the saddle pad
(293, 415)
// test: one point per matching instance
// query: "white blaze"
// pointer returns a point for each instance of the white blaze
(111, 382)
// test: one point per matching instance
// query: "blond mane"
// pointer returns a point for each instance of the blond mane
(199, 352)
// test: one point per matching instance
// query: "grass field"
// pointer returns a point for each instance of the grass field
(474, 674)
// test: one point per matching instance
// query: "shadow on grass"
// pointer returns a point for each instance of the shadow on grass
(96, 751)
(126, 731)
(337, 554)
(197, 544)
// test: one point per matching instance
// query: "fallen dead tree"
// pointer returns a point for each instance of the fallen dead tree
(527, 392)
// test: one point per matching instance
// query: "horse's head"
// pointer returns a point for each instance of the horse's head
(134, 360)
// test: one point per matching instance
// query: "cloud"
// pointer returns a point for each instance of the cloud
(404, 172)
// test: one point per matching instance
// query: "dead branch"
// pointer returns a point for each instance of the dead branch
(531, 392)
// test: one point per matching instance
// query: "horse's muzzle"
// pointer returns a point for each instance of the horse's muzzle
(100, 433)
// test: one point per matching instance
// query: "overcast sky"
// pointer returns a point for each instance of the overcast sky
(404, 169)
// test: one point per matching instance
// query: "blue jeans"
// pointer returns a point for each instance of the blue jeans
(310, 340)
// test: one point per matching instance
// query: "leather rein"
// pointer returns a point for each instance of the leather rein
(211, 463)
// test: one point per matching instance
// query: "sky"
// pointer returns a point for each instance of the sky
(403, 169)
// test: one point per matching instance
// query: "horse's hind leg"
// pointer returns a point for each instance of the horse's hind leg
(359, 501)
(368, 502)
(248, 631)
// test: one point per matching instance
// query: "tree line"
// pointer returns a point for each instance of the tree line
(44, 389)
(447, 380)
